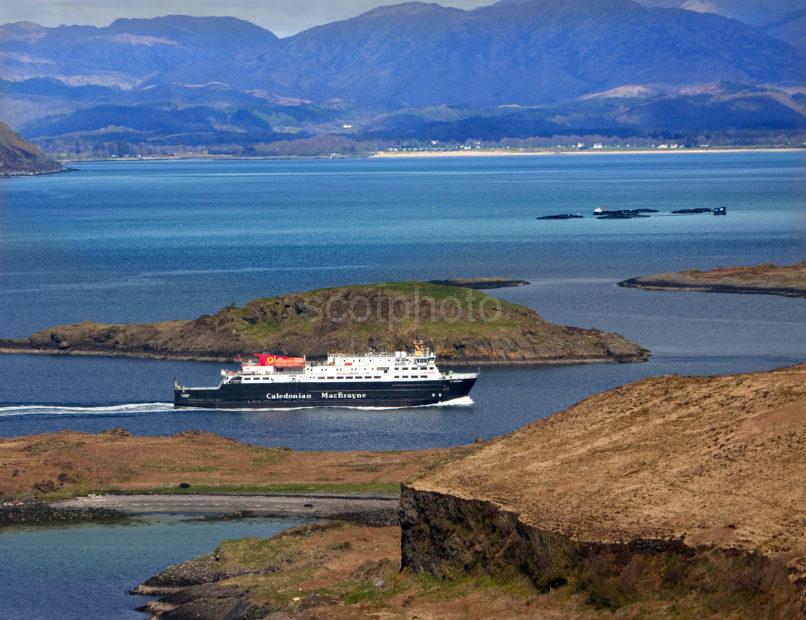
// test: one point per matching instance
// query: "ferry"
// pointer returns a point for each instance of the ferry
(399, 379)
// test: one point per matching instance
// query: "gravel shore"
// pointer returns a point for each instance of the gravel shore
(367, 510)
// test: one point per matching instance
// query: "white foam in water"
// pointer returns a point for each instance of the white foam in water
(16, 410)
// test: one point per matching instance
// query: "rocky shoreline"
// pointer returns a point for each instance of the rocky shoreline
(649, 284)
(18, 512)
(192, 589)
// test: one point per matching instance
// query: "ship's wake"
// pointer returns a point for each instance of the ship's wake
(18, 410)
(79, 410)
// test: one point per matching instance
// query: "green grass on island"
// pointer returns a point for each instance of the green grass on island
(461, 325)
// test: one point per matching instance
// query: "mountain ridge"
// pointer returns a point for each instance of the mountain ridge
(412, 71)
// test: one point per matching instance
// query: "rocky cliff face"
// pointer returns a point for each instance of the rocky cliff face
(454, 537)
(462, 326)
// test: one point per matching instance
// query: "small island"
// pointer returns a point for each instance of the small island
(765, 279)
(481, 283)
(463, 326)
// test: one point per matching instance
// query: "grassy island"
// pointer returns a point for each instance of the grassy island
(462, 325)
(766, 279)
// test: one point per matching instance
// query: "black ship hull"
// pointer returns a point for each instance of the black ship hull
(329, 394)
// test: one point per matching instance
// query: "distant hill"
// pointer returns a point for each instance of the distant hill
(753, 12)
(529, 52)
(18, 157)
(126, 52)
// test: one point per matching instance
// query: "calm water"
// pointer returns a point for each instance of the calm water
(143, 241)
(85, 571)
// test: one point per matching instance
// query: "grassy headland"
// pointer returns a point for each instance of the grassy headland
(767, 279)
(462, 325)
(18, 157)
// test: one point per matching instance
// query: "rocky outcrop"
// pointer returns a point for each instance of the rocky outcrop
(13, 511)
(461, 325)
(203, 588)
(452, 537)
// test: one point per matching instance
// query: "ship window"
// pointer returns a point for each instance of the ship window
(378, 377)
(331, 377)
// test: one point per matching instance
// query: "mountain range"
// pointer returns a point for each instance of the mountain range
(514, 69)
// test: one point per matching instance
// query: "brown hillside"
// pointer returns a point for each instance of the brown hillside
(71, 463)
(18, 157)
(708, 460)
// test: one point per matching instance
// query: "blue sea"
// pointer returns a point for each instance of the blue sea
(86, 570)
(145, 241)
(151, 240)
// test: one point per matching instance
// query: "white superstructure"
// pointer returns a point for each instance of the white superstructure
(338, 368)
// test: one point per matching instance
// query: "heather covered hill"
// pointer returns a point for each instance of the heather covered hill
(462, 326)
(18, 157)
